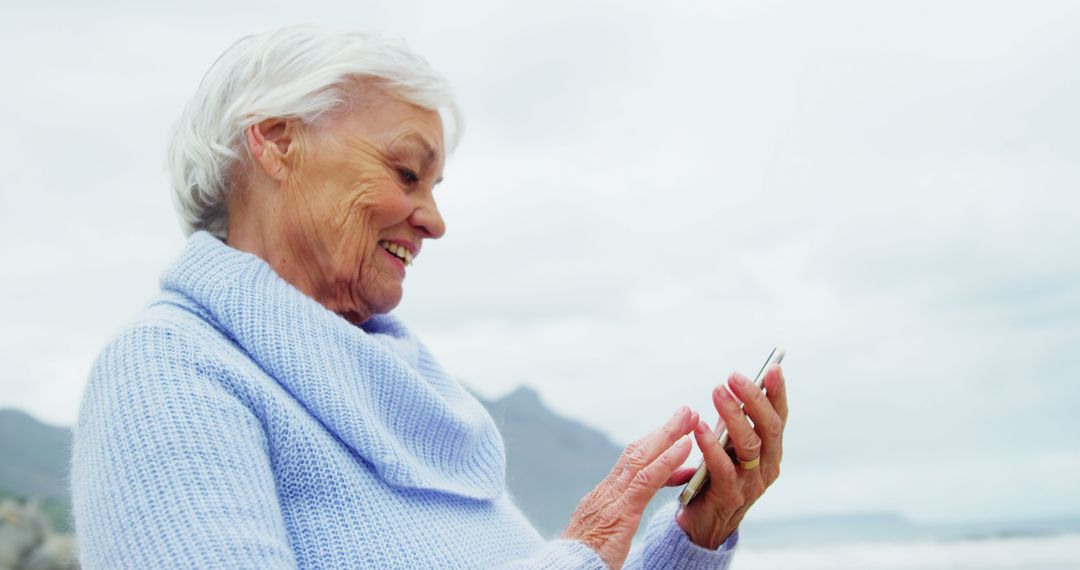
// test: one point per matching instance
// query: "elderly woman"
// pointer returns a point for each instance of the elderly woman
(267, 410)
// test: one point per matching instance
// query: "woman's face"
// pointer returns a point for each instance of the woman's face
(358, 204)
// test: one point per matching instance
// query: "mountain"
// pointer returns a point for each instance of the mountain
(35, 465)
(552, 461)
(828, 529)
(881, 527)
(36, 456)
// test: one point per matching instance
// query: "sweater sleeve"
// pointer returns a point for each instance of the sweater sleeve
(170, 469)
(560, 554)
(666, 546)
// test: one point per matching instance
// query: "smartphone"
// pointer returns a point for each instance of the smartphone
(701, 476)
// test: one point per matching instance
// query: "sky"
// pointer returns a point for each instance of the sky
(646, 199)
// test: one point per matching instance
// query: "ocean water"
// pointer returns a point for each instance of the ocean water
(1048, 552)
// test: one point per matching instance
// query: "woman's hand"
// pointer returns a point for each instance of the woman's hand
(607, 518)
(734, 485)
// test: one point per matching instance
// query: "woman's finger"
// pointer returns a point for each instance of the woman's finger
(645, 451)
(767, 423)
(650, 479)
(741, 433)
(681, 476)
(776, 391)
(722, 475)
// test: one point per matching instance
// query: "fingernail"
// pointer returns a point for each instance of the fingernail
(740, 379)
(722, 391)
(680, 413)
(702, 426)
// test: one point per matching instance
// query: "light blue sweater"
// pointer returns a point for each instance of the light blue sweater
(239, 424)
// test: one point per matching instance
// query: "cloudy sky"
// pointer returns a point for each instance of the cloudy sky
(644, 201)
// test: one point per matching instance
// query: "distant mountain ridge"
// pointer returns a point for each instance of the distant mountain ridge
(552, 461)
(821, 530)
(35, 456)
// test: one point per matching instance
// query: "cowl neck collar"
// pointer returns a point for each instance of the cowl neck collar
(375, 386)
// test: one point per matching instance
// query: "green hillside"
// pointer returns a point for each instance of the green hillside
(36, 455)
(35, 464)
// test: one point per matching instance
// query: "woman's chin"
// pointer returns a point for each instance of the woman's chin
(384, 303)
(360, 316)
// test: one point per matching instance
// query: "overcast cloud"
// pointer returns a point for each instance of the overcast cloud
(645, 200)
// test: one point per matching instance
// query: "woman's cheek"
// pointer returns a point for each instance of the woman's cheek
(392, 210)
(358, 245)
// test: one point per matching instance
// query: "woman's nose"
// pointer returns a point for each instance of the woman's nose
(428, 220)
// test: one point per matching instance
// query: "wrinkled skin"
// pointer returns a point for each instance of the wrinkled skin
(607, 518)
(317, 199)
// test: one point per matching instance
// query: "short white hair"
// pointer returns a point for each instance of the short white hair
(299, 72)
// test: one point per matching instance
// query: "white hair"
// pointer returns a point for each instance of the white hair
(299, 72)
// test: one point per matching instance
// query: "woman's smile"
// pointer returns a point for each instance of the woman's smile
(398, 254)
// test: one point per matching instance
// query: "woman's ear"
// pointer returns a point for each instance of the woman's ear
(273, 147)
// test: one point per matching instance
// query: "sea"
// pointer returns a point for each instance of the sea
(1045, 552)
(880, 541)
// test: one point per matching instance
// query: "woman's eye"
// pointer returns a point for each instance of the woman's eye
(408, 176)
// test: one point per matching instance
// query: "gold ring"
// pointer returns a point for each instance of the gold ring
(752, 464)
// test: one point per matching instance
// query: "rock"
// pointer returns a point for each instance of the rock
(56, 552)
(27, 541)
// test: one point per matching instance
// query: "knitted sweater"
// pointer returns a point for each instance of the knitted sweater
(240, 424)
